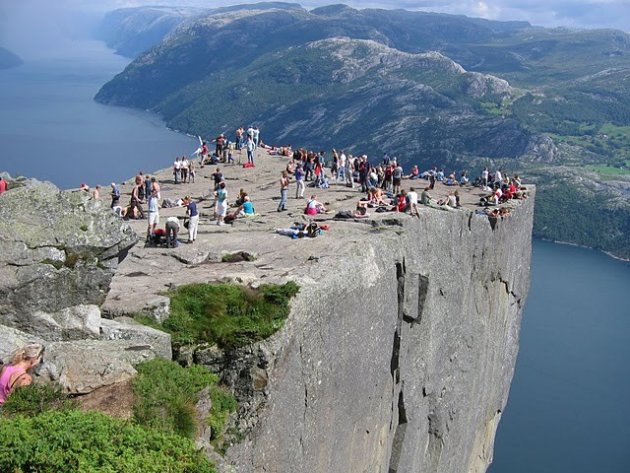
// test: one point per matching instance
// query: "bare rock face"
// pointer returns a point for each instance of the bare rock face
(399, 351)
(59, 249)
(59, 254)
(81, 366)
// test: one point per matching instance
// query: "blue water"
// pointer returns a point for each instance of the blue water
(50, 127)
(569, 405)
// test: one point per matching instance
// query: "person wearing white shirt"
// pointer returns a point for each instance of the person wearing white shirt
(177, 168)
(412, 199)
(342, 167)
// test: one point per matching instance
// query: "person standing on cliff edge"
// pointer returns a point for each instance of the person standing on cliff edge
(3, 185)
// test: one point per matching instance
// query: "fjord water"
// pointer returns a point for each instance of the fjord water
(569, 405)
(51, 129)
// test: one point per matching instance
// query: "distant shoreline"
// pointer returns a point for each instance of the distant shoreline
(568, 243)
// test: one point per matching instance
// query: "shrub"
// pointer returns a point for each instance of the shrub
(35, 399)
(227, 314)
(223, 404)
(88, 442)
(167, 395)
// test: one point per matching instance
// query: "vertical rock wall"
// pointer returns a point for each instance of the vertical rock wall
(400, 349)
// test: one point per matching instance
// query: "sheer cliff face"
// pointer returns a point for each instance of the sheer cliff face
(400, 350)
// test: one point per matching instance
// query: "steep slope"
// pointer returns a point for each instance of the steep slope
(131, 31)
(425, 101)
(224, 39)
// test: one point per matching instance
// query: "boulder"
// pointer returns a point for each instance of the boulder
(81, 366)
(59, 249)
(126, 328)
(71, 323)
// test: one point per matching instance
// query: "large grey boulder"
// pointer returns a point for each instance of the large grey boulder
(59, 249)
(81, 366)
(106, 357)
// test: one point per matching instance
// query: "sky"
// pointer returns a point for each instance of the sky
(29, 26)
(570, 13)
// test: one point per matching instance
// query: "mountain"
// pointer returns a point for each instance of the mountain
(8, 59)
(131, 31)
(433, 89)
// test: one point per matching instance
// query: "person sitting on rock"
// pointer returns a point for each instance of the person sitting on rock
(425, 198)
(412, 200)
(246, 209)
(241, 197)
(17, 372)
(415, 172)
(313, 207)
(376, 197)
(400, 203)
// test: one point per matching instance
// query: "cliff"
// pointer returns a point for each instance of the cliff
(400, 346)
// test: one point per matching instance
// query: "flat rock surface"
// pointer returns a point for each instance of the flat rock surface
(151, 271)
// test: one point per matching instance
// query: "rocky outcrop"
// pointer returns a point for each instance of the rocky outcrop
(400, 347)
(400, 359)
(59, 249)
(59, 253)
(84, 365)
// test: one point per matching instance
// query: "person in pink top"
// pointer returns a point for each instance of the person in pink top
(16, 373)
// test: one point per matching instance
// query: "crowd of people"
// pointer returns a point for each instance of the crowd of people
(382, 185)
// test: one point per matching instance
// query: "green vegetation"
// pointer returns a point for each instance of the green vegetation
(35, 399)
(238, 256)
(42, 431)
(167, 395)
(227, 314)
(88, 442)
(596, 222)
(606, 170)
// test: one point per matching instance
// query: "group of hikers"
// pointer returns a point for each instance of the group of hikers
(381, 184)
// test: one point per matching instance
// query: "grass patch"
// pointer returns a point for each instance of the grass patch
(228, 315)
(147, 320)
(223, 404)
(55, 263)
(237, 257)
(167, 395)
(609, 170)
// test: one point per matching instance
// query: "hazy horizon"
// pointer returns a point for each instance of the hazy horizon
(35, 28)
